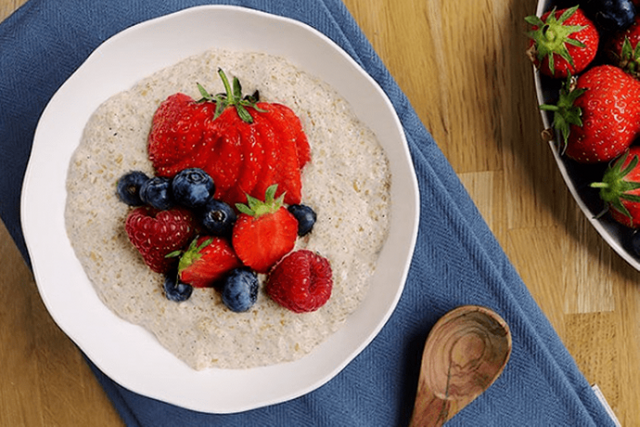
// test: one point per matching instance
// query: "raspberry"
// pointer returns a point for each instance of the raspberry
(158, 233)
(301, 281)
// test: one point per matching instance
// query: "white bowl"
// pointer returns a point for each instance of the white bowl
(128, 353)
(578, 177)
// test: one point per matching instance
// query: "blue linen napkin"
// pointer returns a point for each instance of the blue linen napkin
(457, 259)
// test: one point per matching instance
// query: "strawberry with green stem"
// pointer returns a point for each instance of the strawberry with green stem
(232, 97)
(244, 144)
(624, 49)
(206, 261)
(565, 112)
(562, 42)
(264, 231)
(597, 116)
(620, 188)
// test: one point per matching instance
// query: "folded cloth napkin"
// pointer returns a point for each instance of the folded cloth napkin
(457, 259)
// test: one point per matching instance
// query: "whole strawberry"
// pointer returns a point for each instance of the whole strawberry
(301, 282)
(624, 51)
(156, 234)
(562, 42)
(264, 231)
(597, 117)
(620, 188)
(206, 261)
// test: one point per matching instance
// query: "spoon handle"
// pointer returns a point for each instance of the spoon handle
(429, 410)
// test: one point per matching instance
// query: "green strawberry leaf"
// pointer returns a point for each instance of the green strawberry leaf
(192, 254)
(615, 188)
(257, 208)
(534, 20)
(629, 59)
(565, 112)
(232, 97)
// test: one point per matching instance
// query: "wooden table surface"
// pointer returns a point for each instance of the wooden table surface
(462, 65)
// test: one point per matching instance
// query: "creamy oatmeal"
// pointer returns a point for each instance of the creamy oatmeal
(347, 183)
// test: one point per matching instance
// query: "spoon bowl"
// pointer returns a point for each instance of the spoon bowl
(465, 352)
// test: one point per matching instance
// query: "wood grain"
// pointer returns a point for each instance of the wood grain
(462, 65)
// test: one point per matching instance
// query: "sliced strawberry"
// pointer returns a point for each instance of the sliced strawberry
(177, 131)
(264, 232)
(269, 159)
(301, 282)
(206, 261)
(224, 157)
(287, 171)
(252, 162)
(158, 233)
(244, 145)
(299, 137)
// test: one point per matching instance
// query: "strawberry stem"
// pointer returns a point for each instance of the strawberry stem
(192, 254)
(257, 208)
(232, 97)
(552, 36)
(565, 112)
(629, 59)
(614, 188)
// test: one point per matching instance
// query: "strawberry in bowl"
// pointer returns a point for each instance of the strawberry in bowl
(562, 42)
(620, 188)
(243, 144)
(597, 117)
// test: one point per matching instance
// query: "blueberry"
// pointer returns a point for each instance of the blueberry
(129, 187)
(306, 218)
(174, 289)
(610, 15)
(217, 218)
(240, 290)
(192, 188)
(156, 192)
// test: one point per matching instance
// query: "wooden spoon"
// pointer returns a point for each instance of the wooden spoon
(465, 352)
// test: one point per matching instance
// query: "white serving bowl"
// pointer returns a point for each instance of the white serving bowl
(128, 353)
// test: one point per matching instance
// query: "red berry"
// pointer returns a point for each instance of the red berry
(178, 132)
(301, 282)
(562, 42)
(264, 232)
(599, 118)
(244, 145)
(623, 49)
(206, 261)
(290, 158)
(620, 188)
(158, 233)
